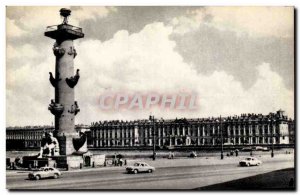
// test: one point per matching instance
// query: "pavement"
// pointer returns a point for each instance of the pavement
(283, 179)
(180, 174)
(179, 162)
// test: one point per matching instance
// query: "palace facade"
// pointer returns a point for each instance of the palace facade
(26, 137)
(247, 129)
(29, 137)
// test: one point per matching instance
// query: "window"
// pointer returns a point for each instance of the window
(283, 137)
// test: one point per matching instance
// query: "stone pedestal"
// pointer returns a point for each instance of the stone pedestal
(70, 161)
(35, 162)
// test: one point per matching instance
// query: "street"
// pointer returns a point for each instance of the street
(180, 174)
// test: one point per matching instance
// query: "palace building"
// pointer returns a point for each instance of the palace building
(246, 129)
(26, 137)
(29, 137)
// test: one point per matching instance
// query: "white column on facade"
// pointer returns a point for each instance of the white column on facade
(163, 134)
(118, 136)
(113, 136)
(99, 138)
(234, 134)
(121, 136)
(158, 135)
(130, 136)
(108, 137)
(104, 137)
(198, 135)
(146, 135)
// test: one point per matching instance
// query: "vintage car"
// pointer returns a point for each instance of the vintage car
(250, 161)
(44, 172)
(140, 167)
(247, 149)
(260, 148)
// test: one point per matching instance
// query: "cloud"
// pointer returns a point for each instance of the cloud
(147, 61)
(12, 30)
(25, 52)
(28, 93)
(255, 21)
(86, 12)
(24, 19)
(269, 90)
(144, 62)
(191, 21)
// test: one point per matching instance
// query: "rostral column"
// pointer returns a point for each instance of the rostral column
(64, 107)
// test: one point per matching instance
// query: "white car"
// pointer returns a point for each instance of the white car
(260, 148)
(228, 144)
(44, 172)
(250, 161)
(140, 167)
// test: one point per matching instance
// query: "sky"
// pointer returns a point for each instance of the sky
(236, 59)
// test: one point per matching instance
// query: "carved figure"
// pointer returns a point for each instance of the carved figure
(49, 146)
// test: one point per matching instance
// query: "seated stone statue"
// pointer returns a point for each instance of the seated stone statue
(49, 146)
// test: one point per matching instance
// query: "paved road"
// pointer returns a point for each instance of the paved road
(175, 177)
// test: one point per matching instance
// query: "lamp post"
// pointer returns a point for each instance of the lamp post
(272, 137)
(152, 119)
(272, 150)
(221, 131)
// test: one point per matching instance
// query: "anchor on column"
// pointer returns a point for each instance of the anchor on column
(72, 81)
(53, 80)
